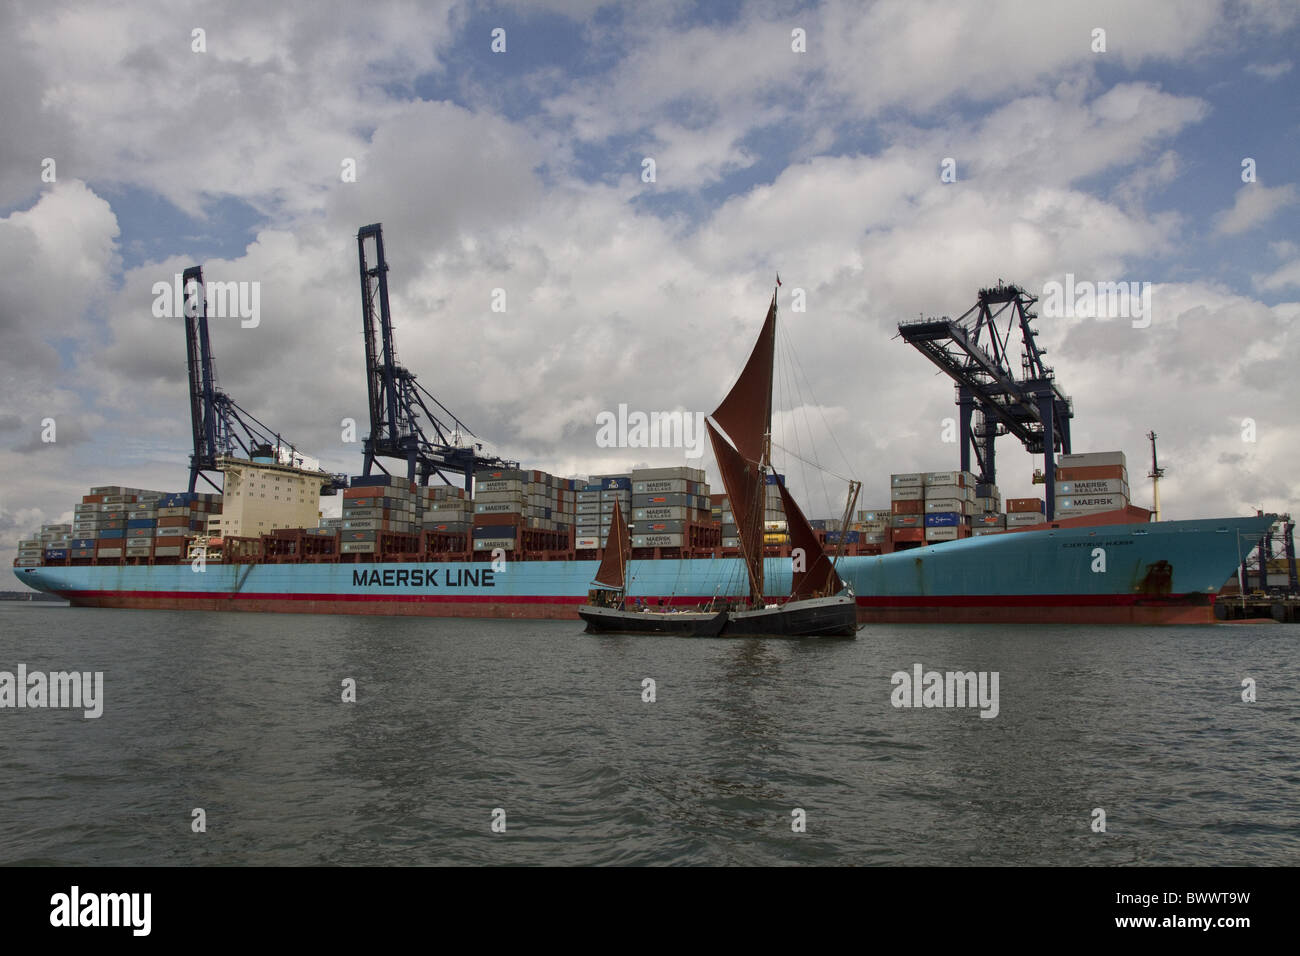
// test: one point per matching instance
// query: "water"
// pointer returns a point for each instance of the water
(241, 715)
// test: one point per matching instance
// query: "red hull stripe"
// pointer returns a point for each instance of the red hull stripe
(918, 601)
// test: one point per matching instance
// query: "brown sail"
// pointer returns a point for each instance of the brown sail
(746, 413)
(743, 481)
(819, 578)
(613, 564)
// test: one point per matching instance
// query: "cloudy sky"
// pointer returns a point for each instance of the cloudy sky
(805, 139)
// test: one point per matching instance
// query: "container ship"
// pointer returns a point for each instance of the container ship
(1104, 567)
(521, 543)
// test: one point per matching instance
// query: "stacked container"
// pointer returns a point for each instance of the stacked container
(375, 504)
(907, 508)
(949, 502)
(1090, 483)
(664, 501)
(588, 533)
(444, 509)
(875, 525)
(1024, 512)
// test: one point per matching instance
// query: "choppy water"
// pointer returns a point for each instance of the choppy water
(241, 715)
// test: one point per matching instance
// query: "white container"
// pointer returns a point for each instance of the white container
(1100, 486)
(1020, 519)
(1082, 504)
(907, 493)
(945, 504)
(906, 480)
(941, 534)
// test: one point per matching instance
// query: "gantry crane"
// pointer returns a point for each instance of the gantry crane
(220, 426)
(397, 400)
(973, 350)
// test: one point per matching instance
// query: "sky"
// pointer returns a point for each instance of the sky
(887, 159)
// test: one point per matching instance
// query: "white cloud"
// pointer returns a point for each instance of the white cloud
(1254, 205)
(1270, 71)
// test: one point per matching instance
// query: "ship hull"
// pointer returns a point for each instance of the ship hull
(817, 617)
(606, 620)
(1164, 573)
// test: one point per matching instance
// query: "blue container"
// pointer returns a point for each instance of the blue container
(850, 537)
(60, 555)
(112, 533)
(616, 484)
(374, 481)
(942, 519)
(141, 523)
(82, 543)
(818, 524)
(775, 479)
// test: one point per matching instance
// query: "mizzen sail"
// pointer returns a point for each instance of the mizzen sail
(613, 564)
(819, 578)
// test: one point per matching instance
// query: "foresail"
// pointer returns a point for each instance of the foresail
(818, 579)
(746, 413)
(740, 478)
(613, 565)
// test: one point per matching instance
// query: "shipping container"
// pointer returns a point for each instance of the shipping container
(1109, 486)
(492, 544)
(907, 493)
(942, 533)
(1066, 504)
(658, 527)
(1025, 505)
(908, 521)
(1019, 519)
(658, 540)
(908, 534)
(943, 519)
(1097, 473)
(1091, 459)
(910, 507)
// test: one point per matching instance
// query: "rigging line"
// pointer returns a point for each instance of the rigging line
(791, 358)
(834, 440)
(815, 465)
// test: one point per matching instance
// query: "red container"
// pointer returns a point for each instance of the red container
(908, 507)
(169, 541)
(93, 500)
(1092, 473)
(1018, 505)
(909, 534)
(180, 521)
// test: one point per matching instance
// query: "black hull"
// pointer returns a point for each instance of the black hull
(819, 617)
(605, 620)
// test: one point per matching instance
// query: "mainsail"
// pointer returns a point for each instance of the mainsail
(746, 413)
(613, 564)
(743, 481)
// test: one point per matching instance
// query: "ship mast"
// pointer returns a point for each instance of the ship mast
(1155, 475)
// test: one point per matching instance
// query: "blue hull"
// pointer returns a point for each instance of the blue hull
(1145, 573)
